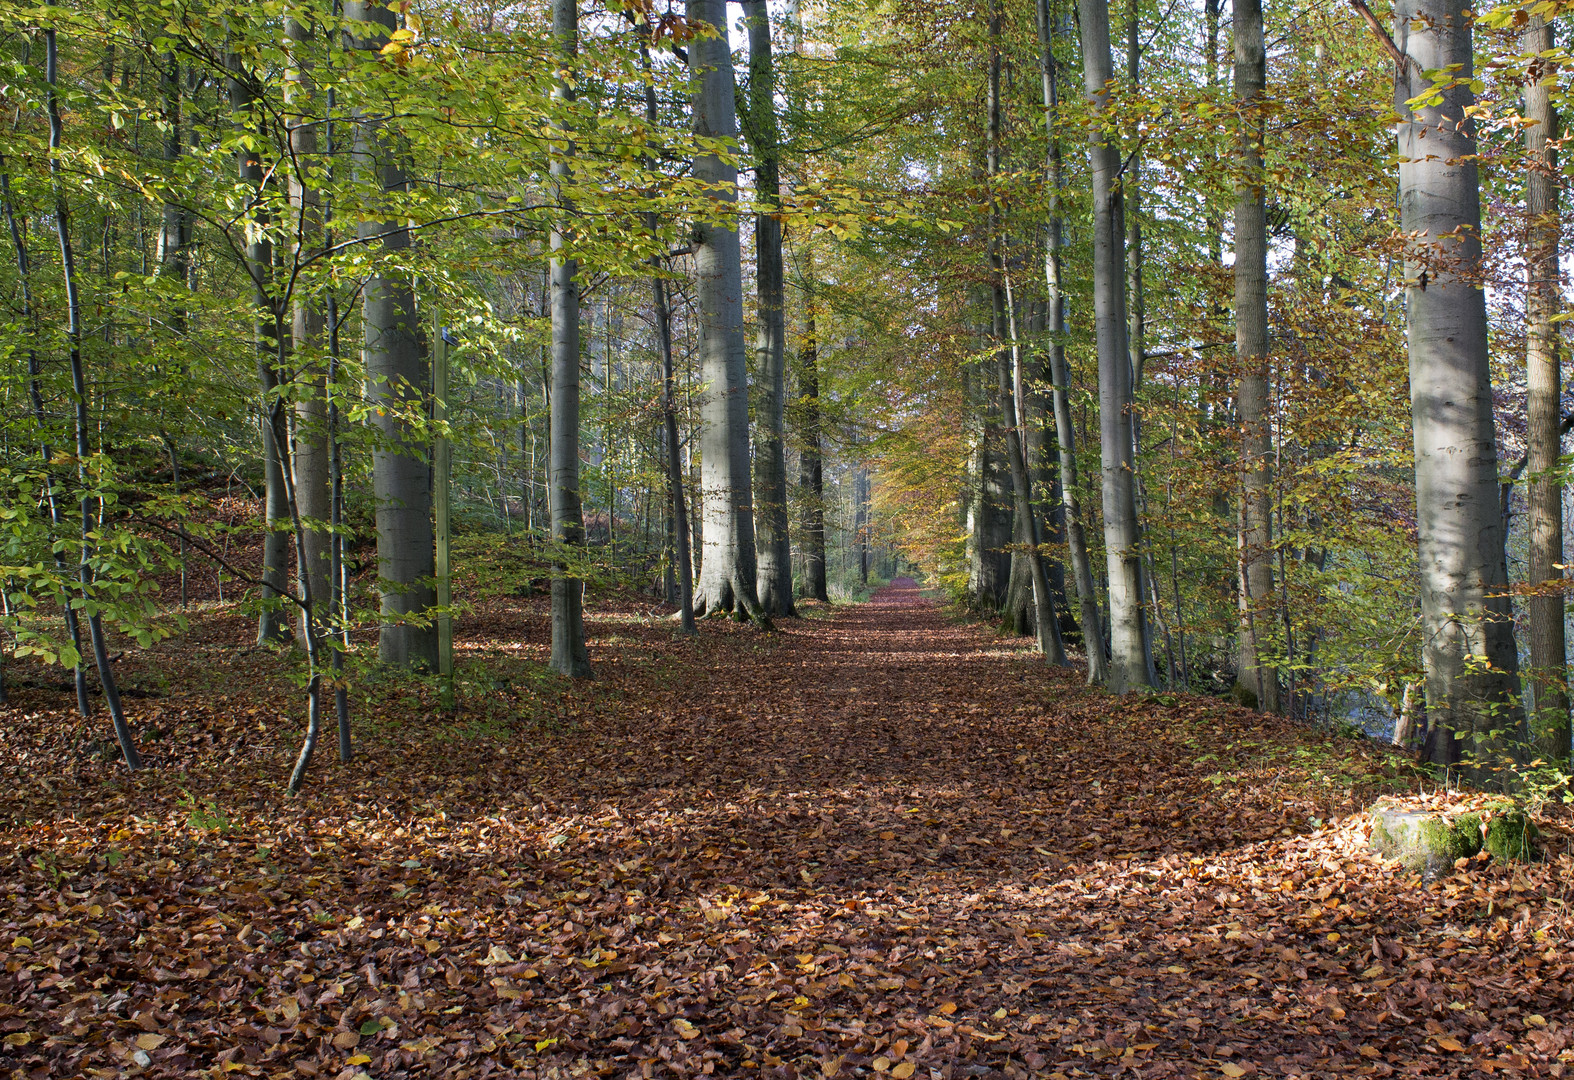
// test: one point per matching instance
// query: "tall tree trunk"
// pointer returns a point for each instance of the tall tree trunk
(1059, 372)
(728, 581)
(1543, 356)
(1255, 592)
(46, 453)
(811, 469)
(310, 457)
(682, 543)
(1131, 660)
(95, 626)
(772, 536)
(1467, 634)
(569, 654)
(272, 623)
(397, 379)
(1131, 187)
(1046, 625)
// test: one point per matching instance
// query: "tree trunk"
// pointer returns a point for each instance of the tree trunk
(1059, 373)
(95, 626)
(811, 476)
(1543, 356)
(1255, 592)
(773, 538)
(396, 388)
(1131, 661)
(1467, 633)
(569, 654)
(728, 581)
(310, 457)
(273, 622)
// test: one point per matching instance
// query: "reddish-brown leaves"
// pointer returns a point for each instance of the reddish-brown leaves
(875, 844)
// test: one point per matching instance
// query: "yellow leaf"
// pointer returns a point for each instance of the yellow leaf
(1000, 1014)
(881, 1064)
(946, 1008)
(18, 1038)
(1536, 1021)
(151, 1042)
(1232, 1070)
(1450, 1044)
(904, 1070)
(685, 1029)
(359, 1059)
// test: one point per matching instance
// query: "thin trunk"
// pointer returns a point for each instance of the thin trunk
(95, 624)
(1255, 594)
(811, 469)
(728, 579)
(1543, 356)
(1467, 632)
(396, 387)
(1131, 187)
(311, 451)
(1059, 372)
(1046, 625)
(569, 654)
(1131, 662)
(46, 452)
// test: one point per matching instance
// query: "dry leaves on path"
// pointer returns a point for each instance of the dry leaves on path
(880, 843)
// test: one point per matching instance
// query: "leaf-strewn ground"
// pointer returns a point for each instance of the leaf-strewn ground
(877, 842)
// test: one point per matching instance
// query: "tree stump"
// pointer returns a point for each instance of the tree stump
(1429, 842)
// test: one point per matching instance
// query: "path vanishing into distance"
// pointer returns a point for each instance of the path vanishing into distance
(879, 841)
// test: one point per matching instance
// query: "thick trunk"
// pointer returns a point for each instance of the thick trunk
(1467, 635)
(1059, 372)
(990, 520)
(569, 654)
(728, 581)
(1131, 663)
(773, 539)
(811, 476)
(310, 457)
(1255, 592)
(396, 388)
(1543, 355)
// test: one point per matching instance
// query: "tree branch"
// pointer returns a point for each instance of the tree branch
(1382, 35)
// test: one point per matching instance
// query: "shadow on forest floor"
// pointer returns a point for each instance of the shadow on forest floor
(867, 842)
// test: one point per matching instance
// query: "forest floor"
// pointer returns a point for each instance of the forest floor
(880, 841)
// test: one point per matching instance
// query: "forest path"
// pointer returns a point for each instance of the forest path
(877, 842)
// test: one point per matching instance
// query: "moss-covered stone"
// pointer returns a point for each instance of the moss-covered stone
(1510, 833)
(1425, 842)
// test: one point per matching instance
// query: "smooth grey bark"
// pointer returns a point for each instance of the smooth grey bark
(1059, 372)
(1131, 662)
(1131, 187)
(1544, 423)
(95, 625)
(811, 466)
(682, 543)
(728, 579)
(272, 623)
(1467, 632)
(1254, 594)
(569, 654)
(397, 379)
(310, 456)
(773, 540)
(990, 521)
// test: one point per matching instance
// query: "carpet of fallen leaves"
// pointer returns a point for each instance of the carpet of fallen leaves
(877, 842)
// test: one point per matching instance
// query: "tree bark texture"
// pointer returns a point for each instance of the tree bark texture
(1131, 663)
(1255, 539)
(1467, 635)
(728, 581)
(1543, 382)
(811, 477)
(773, 539)
(396, 386)
(570, 655)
